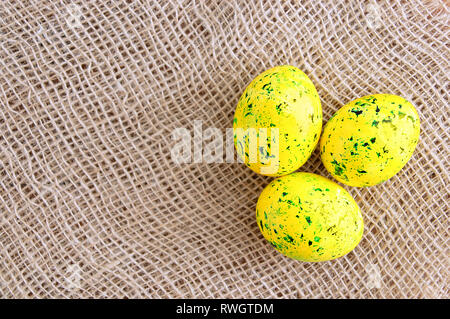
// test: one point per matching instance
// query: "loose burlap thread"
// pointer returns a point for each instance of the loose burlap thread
(91, 202)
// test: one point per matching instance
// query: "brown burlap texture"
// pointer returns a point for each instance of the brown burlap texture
(91, 202)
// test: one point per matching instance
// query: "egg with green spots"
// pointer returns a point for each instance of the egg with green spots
(370, 139)
(277, 122)
(309, 218)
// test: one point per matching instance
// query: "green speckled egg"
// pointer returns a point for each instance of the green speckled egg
(309, 218)
(284, 102)
(370, 139)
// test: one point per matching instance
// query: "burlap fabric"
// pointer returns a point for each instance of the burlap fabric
(91, 202)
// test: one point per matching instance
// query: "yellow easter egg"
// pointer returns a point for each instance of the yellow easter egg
(309, 218)
(278, 121)
(370, 139)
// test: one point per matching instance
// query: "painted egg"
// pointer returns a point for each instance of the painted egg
(309, 218)
(278, 121)
(370, 139)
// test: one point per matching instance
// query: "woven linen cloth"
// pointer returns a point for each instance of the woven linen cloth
(92, 203)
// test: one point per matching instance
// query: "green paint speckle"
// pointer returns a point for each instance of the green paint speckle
(289, 239)
(308, 220)
(356, 111)
(278, 107)
(411, 118)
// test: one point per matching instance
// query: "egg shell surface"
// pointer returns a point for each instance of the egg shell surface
(370, 139)
(309, 218)
(281, 98)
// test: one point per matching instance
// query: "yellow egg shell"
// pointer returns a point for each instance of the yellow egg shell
(282, 98)
(370, 139)
(309, 218)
